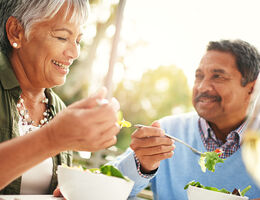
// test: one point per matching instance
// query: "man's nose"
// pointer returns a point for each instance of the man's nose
(204, 85)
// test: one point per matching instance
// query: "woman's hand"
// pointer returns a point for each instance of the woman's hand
(57, 193)
(151, 146)
(85, 125)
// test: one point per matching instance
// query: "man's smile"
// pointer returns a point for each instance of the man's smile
(206, 98)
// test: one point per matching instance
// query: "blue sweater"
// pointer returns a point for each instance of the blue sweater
(174, 173)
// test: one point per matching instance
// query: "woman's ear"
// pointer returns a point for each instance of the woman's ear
(14, 31)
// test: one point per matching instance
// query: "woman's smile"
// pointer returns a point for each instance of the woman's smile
(60, 67)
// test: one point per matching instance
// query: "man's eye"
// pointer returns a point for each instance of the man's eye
(217, 76)
(198, 76)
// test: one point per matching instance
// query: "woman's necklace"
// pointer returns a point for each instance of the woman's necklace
(27, 121)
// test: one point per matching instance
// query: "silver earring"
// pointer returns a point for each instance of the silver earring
(15, 44)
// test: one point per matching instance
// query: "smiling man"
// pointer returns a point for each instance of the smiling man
(223, 85)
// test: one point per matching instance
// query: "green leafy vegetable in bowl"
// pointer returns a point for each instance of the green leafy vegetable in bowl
(208, 160)
(109, 170)
(223, 190)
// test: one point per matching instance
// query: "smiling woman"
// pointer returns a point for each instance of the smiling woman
(39, 40)
(56, 44)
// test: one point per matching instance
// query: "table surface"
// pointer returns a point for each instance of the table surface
(29, 197)
(41, 197)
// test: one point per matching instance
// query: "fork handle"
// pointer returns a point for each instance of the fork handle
(180, 141)
(174, 138)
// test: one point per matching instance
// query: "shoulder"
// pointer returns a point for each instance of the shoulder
(183, 118)
(181, 122)
(55, 100)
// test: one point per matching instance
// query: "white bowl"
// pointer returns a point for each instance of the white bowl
(81, 185)
(196, 193)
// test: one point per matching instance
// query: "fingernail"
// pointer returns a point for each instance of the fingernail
(101, 102)
(115, 104)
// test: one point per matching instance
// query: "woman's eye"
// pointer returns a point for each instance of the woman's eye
(61, 38)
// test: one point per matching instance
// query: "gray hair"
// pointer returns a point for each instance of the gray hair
(246, 55)
(29, 12)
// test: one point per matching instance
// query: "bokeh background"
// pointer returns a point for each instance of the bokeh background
(159, 48)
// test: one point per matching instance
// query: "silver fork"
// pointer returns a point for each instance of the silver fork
(176, 139)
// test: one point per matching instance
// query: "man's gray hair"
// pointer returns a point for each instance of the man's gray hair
(29, 12)
(246, 55)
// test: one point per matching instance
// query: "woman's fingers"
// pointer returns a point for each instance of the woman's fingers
(57, 192)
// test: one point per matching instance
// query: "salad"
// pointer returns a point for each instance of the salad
(121, 121)
(208, 160)
(108, 170)
(223, 190)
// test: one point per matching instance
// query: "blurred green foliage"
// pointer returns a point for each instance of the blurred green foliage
(160, 92)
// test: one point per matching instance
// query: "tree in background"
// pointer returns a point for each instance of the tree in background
(160, 92)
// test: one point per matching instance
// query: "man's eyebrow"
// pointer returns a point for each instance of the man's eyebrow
(67, 30)
(219, 71)
(198, 70)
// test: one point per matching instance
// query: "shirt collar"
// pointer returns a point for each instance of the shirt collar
(7, 76)
(208, 132)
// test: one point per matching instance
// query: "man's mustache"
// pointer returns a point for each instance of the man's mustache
(206, 95)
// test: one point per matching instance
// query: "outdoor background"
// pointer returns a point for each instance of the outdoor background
(158, 51)
(160, 46)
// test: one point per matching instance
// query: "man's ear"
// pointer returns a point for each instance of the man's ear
(251, 87)
(14, 31)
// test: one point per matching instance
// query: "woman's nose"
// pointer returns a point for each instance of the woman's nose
(73, 51)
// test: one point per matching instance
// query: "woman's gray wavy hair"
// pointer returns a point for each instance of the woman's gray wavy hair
(29, 12)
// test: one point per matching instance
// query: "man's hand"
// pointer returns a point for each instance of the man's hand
(151, 146)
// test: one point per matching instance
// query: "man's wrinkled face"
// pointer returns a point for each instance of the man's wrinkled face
(218, 95)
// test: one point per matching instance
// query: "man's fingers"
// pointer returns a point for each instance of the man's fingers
(156, 124)
(161, 149)
(147, 131)
(156, 158)
(150, 142)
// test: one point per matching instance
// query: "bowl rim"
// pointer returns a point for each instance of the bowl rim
(222, 193)
(88, 173)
